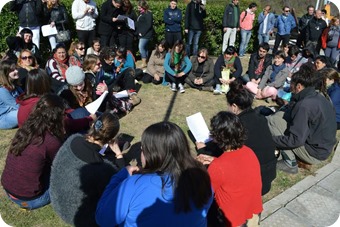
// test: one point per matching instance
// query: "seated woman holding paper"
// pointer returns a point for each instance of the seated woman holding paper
(201, 75)
(56, 16)
(272, 80)
(227, 68)
(177, 65)
(235, 175)
(82, 168)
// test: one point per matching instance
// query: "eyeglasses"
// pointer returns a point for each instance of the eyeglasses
(203, 57)
(81, 48)
(287, 11)
(26, 57)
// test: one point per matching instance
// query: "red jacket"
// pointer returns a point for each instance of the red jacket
(324, 38)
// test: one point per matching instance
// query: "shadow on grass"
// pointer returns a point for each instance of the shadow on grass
(170, 107)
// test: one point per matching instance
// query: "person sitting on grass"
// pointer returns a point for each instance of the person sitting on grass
(76, 53)
(82, 169)
(306, 132)
(229, 62)
(155, 69)
(177, 65)
(26, 176)
(159, 192)
(272, 80)
(201, 75)
(235, 175)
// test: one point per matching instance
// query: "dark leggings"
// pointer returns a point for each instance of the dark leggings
(86, 37)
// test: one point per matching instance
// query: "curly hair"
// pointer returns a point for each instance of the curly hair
(227, 130)
(105, 128)
(47, 116)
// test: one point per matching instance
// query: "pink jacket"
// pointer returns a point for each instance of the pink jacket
(246, 20)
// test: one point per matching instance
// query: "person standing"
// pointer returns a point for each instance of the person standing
(29, 13)
(108, 22)
(330, 39)
(194, 24)
(247, 18)
(314, 31)
(172, 17)
(284, 24)
(303, 24)
(231, 24)
(85, 12)
(266, 21)
(144, 29)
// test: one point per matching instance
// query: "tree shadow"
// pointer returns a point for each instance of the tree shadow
(170, 107)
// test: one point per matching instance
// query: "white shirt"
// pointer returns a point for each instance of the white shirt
(84, 21)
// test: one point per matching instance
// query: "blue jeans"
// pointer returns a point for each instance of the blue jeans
(263, 38)
(245, 37)
(193, 35)
(41, 201)
(9, 120)
(143, 47)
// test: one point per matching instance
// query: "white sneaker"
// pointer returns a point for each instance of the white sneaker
(173, 87)
(217, 90)
(181, 88)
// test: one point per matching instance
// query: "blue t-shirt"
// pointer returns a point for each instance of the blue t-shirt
(139, 200)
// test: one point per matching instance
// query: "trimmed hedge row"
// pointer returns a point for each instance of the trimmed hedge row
(211, 38)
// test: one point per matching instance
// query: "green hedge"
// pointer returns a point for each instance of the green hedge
(211, 37)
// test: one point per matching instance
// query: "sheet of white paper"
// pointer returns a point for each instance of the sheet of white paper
(130, 22)
(198, 127)
(47, 30)
(94, 106)
(122, 94)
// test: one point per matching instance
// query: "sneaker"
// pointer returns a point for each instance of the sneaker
(173, 87)
(217, 90)
(283, 166)
(181, 88)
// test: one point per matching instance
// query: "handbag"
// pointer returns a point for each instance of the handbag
(63, 35)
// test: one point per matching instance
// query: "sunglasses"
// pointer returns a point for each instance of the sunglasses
(26, 57)
(287, 11)
(199, 56)
(81, 48)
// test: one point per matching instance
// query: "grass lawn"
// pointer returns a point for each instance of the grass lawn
(158, 104)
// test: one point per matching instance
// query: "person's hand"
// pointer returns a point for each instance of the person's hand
(205, 159)
(230, 80)
(238, 29)
(115, 149)
(114, 19)
(180, 74)
(223, 81)
(186, 30)
(224, 30)
(200, 145)
(52, 24)
(132, 169)
(94, 117)
(101, 87)
(156, 77)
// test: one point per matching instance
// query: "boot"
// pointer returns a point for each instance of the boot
(144, 64)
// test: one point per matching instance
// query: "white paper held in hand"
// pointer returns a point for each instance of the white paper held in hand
(198, 127)
(94, 106)
(48, 30)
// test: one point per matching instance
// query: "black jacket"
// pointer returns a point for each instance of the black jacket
(29, 12)
(310, 123)
(314, 29)
(219, 64)
(303, 22)
(58, 15)
(259, 139)
(254, 62)
(229, 18)
(144, 25)
(194, 15)
(107, 12)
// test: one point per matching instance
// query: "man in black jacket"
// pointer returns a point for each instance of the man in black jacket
(194, 15)
(307, 131)
(29, 12)
(314, 31)
(303, 24)
(258, 63)
(231, 24)
(108, 22)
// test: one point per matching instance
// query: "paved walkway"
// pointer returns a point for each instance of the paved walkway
(314, 201)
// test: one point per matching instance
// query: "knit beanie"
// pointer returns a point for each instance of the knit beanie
(74, 75)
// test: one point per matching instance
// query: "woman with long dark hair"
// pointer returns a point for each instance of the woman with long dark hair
(177, 65)
(172, 187)
(9, 91)
(27, 171)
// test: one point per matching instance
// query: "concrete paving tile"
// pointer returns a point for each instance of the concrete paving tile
(317, 206)
(332, 183)
(283, 218)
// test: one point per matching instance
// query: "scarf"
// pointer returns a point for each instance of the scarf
(230, 64)
(177, 59)
(61, 65)
(276, 70)
(259, 69)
